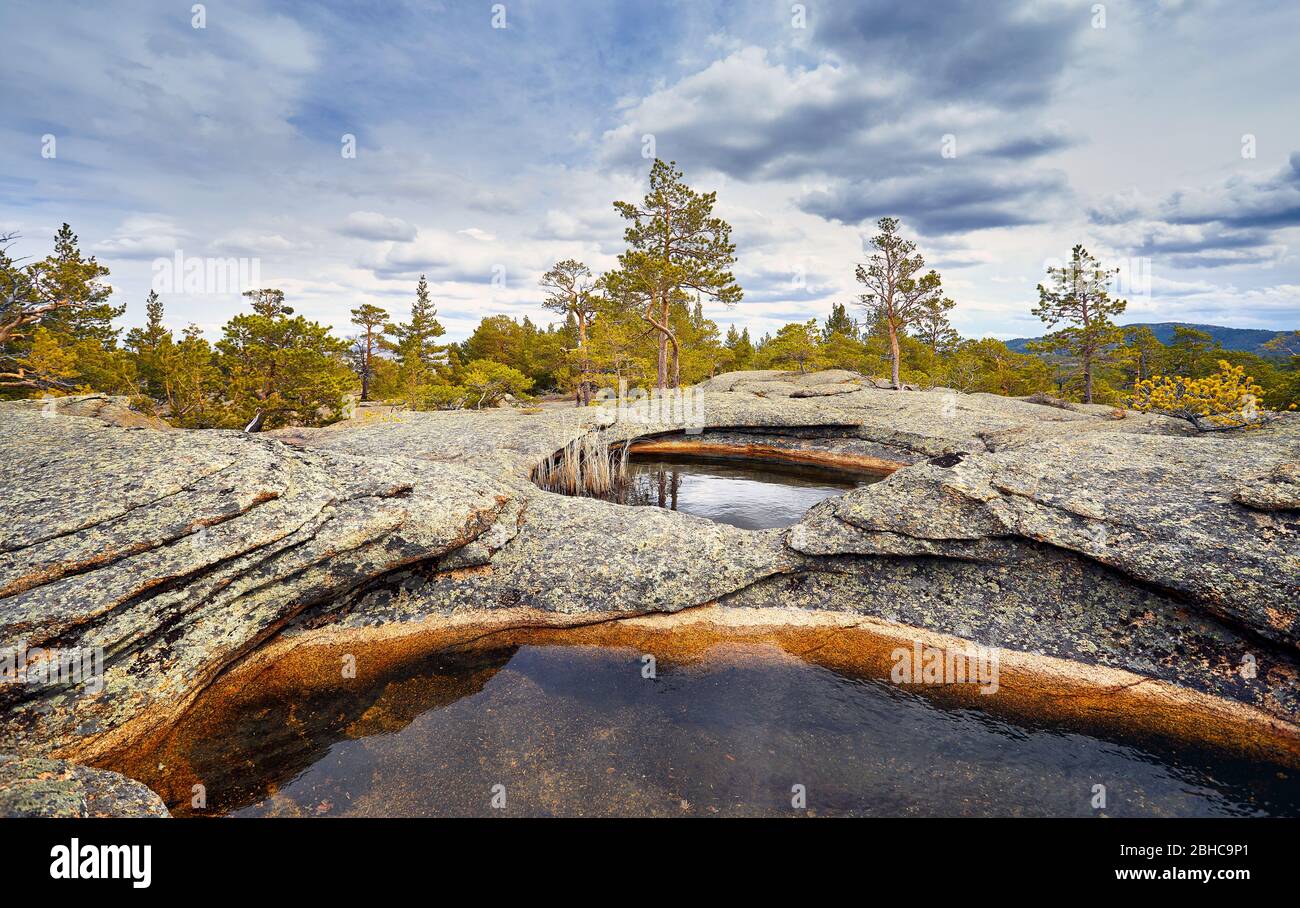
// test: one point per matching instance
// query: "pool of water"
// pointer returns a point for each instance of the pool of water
(752, 496)
(580, 731)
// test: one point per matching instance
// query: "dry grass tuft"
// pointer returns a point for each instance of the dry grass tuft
(588, 465)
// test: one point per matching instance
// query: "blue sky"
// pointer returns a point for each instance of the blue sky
(487, 151)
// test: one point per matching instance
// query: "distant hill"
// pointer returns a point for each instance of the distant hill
(1251, 340)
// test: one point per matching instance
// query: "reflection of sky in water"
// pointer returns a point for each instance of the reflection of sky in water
(746, 495)
(578, 731)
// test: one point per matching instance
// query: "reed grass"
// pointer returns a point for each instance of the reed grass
(588, 465)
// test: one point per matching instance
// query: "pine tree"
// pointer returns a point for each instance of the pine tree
(149, 345)
(48, 365)
(1144, 353)
(372, 320)
(192, 384)
(675, 244)
(571, 291)
(419, 356)
(71, 283)
(932, 325)
(795, 344)
(1076, 294)
(740, 348)
(839, 322)
(288, 369)
(897, 292)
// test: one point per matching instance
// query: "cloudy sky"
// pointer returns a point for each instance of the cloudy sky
(1001, 134)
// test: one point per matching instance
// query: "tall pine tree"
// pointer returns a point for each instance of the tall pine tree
(675, 245)
(1076, 293)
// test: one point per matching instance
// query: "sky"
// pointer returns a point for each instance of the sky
(491, 139)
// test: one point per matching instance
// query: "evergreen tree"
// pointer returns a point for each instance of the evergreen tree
(419, 356)
(1191, 353)
(897, 292)
(1143, 353)
(288, 369)
(795, 345)
(740, 348)
(675, 244)
(839, 351)
(1076, 294)
(150, 345)
(932, 325)
(372, 321)
(839, 322)
(71, 283)
(193, 386)
(571, 292)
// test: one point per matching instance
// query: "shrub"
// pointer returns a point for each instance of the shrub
(486, 382)
(1229, 399)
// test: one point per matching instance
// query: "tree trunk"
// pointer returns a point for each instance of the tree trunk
(365, 369)
(1087, 378)
(894, 355)
(584, 364)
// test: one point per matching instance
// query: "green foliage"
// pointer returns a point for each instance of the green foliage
(372, 321)
(740, 350)
(675, 246)
(150, 346)
(843, 351)
(991, 366)
(642, 324)
(73, 281)
(571, 292)
(897, 294)
(193, 386)
(933, 327)
(1076, 293)
(538, 353)
(796, 346)
(839, 322)
(487, 382)
(63, 294)
(288, 368)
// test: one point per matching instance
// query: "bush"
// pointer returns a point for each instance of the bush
(1229, 399)
(486, 382)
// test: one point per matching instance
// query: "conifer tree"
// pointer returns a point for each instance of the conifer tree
(897, 291)
(1076, 293)
(675, 244)
(372, 320)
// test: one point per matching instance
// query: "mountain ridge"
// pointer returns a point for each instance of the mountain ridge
(1250, 340)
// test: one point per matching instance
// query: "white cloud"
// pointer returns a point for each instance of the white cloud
(371, 225)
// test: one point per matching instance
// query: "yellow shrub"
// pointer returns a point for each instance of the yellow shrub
(1228, 399)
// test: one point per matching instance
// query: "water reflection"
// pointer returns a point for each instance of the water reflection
(752, 496)
(571, 730)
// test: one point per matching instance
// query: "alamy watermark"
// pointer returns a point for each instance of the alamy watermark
(682, 407)
(971, 664)
(206, 274)
(66, 666)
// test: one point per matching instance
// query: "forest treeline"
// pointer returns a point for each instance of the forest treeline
(642, 323)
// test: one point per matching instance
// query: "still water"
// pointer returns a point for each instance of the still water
(752, 496)
(578, 731)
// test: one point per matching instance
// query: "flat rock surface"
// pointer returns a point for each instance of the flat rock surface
(1100, 536)
(172, 554)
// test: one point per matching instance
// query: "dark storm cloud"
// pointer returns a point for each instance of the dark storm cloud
(1000, 52)
(1234, 222)
(1241, 202)
(942, 201)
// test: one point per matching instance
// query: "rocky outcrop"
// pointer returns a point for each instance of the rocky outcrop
(169, 555)
(1115, 541)
(1166, 512)
(36, 787)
